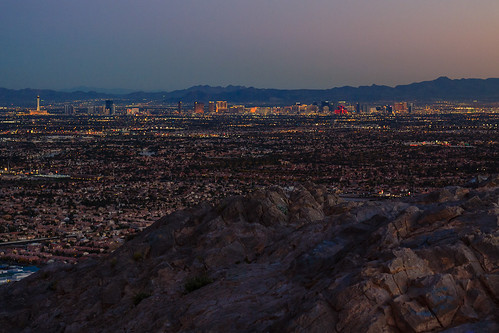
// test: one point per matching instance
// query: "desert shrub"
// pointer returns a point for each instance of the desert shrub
(52, 286)
(113, 262)
(197, 282)
(137, 256)
(129, 237)
(137, 298)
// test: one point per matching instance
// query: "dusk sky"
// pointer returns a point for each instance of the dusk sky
(175, 44)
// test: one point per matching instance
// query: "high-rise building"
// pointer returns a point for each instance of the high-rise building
(361, 108)
(221, 107)
(332, 106)
(236, 109)
(38, 110)
(211, 107)
(179, 107)
(325, 106)
(312, 108)
(198, 107)
(68, 109)
(110, 108)
(400, 107)
(96, 110)
(132, 111)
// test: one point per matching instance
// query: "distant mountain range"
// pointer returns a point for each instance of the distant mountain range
(115, 91)
(443, 88)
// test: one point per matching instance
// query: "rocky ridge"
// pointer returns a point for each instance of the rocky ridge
(294, 259)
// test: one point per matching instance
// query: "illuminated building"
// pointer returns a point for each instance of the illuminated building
(132, 111)
(341, 110)
(312, 109)
(410, 108)
(211, 107)
(237, 109)
(400, 107)
(221, 107)
(325, 106)
(198, 107)
(38, 110)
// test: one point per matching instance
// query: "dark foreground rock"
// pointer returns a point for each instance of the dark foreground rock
(284, 260)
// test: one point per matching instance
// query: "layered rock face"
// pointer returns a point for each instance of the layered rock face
(284, 260)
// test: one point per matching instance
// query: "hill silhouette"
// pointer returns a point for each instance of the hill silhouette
(443, 88)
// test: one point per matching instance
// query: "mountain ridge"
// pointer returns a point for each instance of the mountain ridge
(442, 88)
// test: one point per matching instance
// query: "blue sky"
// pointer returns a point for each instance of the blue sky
(174, 44)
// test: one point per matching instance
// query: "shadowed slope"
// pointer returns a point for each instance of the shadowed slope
(284, 260)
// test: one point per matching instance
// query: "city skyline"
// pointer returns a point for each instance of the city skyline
(155, 46)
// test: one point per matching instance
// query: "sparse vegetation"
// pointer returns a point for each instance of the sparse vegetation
(137, 256)
(52, 285)
(197, 282)
(129, 237)
(283, 209)
(113, 262)
(137, 298)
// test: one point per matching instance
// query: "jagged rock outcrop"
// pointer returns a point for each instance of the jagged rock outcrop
(295, 259)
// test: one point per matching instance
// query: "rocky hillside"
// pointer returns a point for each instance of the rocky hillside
(282, 260)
